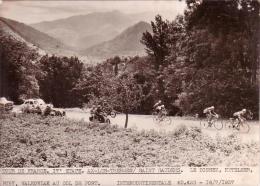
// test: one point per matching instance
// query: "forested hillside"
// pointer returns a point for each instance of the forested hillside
(208, 56)
(125, 44)
(38, 39)
(24, 74)
(17, 68)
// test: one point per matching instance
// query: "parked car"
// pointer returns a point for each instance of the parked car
(34, 106)
(6, 105)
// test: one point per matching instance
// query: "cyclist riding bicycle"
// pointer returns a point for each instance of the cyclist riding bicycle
(159, 108)
(97, 113)
(210, 114)
(106, 107)
(240, 116)
(105, 104)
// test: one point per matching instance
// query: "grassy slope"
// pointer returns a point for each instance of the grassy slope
(33, 141)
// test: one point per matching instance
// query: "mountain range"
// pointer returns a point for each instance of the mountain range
(83, 31)
(127, 43)
(92, 37)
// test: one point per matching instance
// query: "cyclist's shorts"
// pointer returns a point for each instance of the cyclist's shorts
(208, 115)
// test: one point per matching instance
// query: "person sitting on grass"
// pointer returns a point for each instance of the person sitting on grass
(210, 114)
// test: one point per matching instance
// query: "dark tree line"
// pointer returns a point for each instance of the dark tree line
(24, 74)
(213, 56)
(17, 69)
(57, 79)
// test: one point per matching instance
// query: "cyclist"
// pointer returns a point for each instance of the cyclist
(159, 108)
(105, 107)
(99, 113)
(210, 114)
(240, 116)
(105, 104)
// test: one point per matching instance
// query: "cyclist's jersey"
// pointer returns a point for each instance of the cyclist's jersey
(156, 105)
(208, 110)
(160, 107)
(239, 114)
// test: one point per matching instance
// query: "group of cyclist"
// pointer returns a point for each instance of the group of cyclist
(101, 111)
(209, 112)
(239, 116)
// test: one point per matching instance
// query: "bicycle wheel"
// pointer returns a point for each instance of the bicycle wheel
(218, 124)
(108, 121)
(155, 117)
(229, 124)
(243, 127)
(204, 124)
(113, 114)
(167, 120)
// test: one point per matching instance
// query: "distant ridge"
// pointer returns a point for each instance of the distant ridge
(125, 44)
(34, 37)
(83, 31)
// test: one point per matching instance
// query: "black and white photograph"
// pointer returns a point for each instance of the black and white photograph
(127, 83)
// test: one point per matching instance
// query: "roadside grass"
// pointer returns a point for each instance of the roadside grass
(36, 141)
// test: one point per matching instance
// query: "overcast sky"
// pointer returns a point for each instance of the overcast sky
(37, 11)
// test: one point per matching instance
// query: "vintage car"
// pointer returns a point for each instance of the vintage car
(6, 105)
(34, 106)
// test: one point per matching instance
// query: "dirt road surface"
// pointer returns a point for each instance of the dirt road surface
(145, 122)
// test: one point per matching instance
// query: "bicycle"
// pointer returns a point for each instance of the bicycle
(161, 117)
(218, 124)
(238, 125)
(111, 112)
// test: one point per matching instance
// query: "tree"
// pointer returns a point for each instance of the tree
(128, 96)
(90, 85)
(58, 78)
(157, 42)
(221, 49)
(115, 61)
(121, 93)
